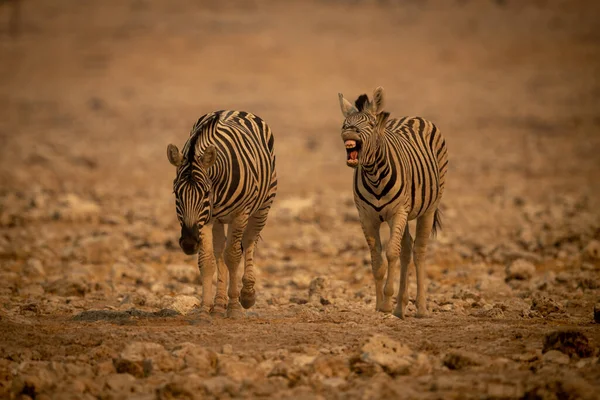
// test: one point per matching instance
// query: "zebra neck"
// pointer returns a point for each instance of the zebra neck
(376, 168)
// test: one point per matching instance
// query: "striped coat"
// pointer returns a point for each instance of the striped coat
(400, 173)
(225, 175)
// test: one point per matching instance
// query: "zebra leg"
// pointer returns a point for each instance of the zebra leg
(371, 232)
(405, 256)
(424, 227)
(233, 256)
(206, 264)
(218, 247)
(255, 226)
(397, 228)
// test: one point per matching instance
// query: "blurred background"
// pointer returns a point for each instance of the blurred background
(91, 92)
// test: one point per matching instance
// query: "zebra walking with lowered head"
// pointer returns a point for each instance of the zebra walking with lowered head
(400, 172)
(225, 175)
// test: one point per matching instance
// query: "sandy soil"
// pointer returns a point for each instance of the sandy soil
(97, 300)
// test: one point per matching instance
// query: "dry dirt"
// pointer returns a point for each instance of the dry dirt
(97, 300)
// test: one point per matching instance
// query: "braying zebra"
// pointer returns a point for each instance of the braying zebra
(400, 171)
(225, 175)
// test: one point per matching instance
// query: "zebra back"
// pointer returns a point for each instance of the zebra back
(243, 177)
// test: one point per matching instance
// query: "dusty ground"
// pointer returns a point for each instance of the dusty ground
(94, 291)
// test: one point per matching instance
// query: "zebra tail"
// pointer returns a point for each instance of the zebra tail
(437, 222)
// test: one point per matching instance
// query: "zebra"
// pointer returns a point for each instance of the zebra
(400, 172)
(225, 175)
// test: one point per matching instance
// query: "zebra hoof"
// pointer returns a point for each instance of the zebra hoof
(200, 317)
(399, 313)
(386, 307)
(235, 312)
(218, 311)
(422, 314)
(247, 298)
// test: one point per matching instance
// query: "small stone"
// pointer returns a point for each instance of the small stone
(67, 288)
(139, 352)
(301, 281)
(183, 304)
(183, 273)
(394, 357)
(302, 360)
(203, 361)
(120, 382)
(316, 288)
(569, 342)
(333, 382)
(555, 357)
(105, 368)
(33, 290)
(461, 359)
(100, 249)
(545, 305)
(591, 252)
(227, 349)
(331, 366)
(219, 385)
(520, 270)
(446, 307)
(239, 371)
(72, 208)
(33, 268)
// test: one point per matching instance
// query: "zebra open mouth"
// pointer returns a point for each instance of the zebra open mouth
(352, 148)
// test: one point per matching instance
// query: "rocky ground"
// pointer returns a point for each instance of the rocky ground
(97, 300)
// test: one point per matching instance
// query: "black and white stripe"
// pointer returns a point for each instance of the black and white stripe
(225, 175)
(400, 174)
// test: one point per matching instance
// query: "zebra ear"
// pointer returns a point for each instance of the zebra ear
(174, 155)
(381, 119)
(346, 106)
(378, 103)
(208, 158)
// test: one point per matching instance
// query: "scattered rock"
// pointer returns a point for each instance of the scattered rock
(219, 385)
(32, 290)
(286, 370)
(143, 357)
(34, 268)
(330, 366)
(520, 270)
(459, 359)
(183, 273)
(227, 349)
(569, 342)
(394, 357)
(74, 209)
(316, 289)
(555, 357)
(122, 383)
(183, 304)
(239, 371)
(545, 305)
(203, 361)
(591, 252)
(67, 288)
(98, 249)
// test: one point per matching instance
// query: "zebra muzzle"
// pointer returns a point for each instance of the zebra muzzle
(190, 240)
(352, 148)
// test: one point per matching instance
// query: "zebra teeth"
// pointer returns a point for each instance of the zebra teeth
(350, 144)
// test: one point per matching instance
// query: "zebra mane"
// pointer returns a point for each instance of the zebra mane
(196, 131)
(362, 102)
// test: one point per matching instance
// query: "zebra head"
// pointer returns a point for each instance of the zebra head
(192, 188)
(362, 126)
